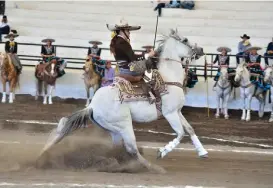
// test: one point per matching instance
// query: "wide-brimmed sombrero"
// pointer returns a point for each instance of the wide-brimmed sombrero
(245, 36)
(122, 25)
(220, 49)
(253, 48)
(48, 39)
(95, 42)
(11, 34)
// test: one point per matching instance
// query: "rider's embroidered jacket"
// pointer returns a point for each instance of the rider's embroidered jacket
(94, 51)
(221, 59)
(124, 53)
(253, 58)
(11, 47)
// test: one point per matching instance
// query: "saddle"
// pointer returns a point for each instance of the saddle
(137, 89)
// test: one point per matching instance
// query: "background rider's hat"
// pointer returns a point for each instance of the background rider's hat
(48, 39)
(220, 49)
(95, 42)
(253, 48)
(123, 24)
(12, 34)
(245, 36)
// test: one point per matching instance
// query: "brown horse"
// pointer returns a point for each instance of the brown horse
(46, 74)
(91, 79)
(8, 74)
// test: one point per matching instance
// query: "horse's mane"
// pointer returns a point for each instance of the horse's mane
(173, 34)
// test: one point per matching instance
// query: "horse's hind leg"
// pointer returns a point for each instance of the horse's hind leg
(131, 147)
(196, 142)
(4, 95)
(225, 105)
(55, 136)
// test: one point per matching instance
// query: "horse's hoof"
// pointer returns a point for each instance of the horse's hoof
(270, 120)
(3, 101)
(204, 156)
(44, 102)
(217, 116)
(226, 117)
(158, 155)
(248, 119)
(50, 102)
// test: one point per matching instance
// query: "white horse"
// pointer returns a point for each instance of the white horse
(268, 78)
(248, 90)
(223, 90)
(116, 117)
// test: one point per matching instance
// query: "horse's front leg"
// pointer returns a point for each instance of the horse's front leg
(218, 98)
(225, 103)
(12, 84)
(249, 99)
(4, 95)
(271, 97)
(50, 94)
(87, 95)
(243, 104)
(45, 93)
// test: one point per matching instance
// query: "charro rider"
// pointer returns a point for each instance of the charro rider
(47, 50)
(122, 50)
(94, 51)
(253, 59)
(11, 48)
(93, 54)
(221, 59)
(48, 54)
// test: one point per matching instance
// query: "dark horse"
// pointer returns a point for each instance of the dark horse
(46, 74)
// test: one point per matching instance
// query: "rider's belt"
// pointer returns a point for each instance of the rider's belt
(123, 64)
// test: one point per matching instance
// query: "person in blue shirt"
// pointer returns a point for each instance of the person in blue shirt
(269, 52)
(242, 46)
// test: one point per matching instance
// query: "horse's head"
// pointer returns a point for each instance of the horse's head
(268, 75)
(3, 59)
(88, 66)
(183, 46)
(224, 73)
(52, 68)
(240, 71)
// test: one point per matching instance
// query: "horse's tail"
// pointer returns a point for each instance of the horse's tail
(75, 121)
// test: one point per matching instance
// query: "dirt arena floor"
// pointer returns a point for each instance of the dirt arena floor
(240, 153)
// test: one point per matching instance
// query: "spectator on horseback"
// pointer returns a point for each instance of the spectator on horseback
(269, 52)
(242, 46)
(11, 48)
(109, 75)
(94, 51)
(253, 59)
(4, 27)
(221, 59)
(122, 50)
(47, 50)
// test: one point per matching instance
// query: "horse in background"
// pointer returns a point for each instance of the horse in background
(223, 89)
(10, 75)
(268, 78)
(46, 75)
(91, 80)
(249, 89)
